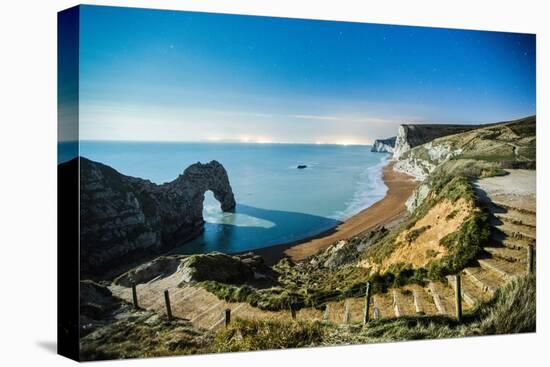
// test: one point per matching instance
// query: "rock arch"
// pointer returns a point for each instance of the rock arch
(123, 216)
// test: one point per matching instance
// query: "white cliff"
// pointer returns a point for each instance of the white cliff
(384, 145)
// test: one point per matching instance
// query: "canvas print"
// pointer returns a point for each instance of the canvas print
(234, 183)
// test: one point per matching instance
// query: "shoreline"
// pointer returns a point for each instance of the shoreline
(388, 209)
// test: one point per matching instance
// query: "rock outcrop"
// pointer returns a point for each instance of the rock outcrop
(384, 145)
(345, 252)
(410, 136)
(123, 217)
(160, 267)
(214, 266)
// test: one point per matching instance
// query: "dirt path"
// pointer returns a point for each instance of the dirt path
(388, 209)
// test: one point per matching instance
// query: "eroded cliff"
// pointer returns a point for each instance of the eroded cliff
(384, 145)
(410, 136)
(122, 217)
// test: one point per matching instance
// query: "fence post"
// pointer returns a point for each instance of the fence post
(346, 313)
(167, 301)
(227, 316)
(458, 298)
(367, 304)
(134, 295)
(530, 260)
(326, 313)
(376, 313)
(292, 312)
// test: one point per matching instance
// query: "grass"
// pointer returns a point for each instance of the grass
(144, 334)
(463, 246)
(271, 299)
(513, 310)
(318, 288)
(250, 335)
(415, 233)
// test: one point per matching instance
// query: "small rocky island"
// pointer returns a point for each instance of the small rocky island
(124, 217)
(301, 166)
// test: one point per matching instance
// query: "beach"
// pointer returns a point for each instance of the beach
(383, 212)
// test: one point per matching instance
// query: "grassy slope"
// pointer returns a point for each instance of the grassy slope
(143, 334)
(482, 152)
(512, 310)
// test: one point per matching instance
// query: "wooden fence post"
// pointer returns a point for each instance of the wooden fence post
(367, 304)
(168, 308)
(458, 298)
(134, 295)
(530, 260)
(376, 313)
(227, 316)
(292, 312)
(326, 313)
(346, 313)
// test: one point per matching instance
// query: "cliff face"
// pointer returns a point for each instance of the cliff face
(410, 136)
(122, 217)
(384, 145)
(478, 152)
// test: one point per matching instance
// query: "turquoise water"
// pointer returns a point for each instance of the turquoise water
(276, 202)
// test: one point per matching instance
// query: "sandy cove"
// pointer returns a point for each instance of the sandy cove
(388, 209)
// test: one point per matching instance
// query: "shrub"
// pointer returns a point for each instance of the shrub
(463, 245)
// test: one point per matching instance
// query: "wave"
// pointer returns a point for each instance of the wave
(371, 188)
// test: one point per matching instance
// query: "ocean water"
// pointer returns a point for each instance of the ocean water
(276, 202)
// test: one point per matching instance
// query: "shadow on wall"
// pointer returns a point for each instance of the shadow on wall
(232, 237)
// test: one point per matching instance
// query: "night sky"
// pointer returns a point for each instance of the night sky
(167, 75)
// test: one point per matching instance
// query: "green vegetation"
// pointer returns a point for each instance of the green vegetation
(272, 299)
(397, 275)
(464, 246)
(431, 253)
(145, 334)
(315, 289)
(512, 310)
(412, 235)
(248, 335)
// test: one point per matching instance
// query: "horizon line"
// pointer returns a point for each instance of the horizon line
(343, 143)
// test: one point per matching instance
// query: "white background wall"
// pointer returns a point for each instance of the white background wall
(28, 180)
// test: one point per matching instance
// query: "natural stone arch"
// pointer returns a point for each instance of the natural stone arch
(199, 178)
(190, 188)
(122, 215)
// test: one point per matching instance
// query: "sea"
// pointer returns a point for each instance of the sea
(276, 202)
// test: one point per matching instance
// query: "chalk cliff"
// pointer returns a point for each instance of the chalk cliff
(481, 151)
(122, 217)
(384, 145)
(410, 136)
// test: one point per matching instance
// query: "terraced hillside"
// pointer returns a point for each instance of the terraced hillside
(510, 200)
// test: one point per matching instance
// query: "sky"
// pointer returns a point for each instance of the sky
(185, 76)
